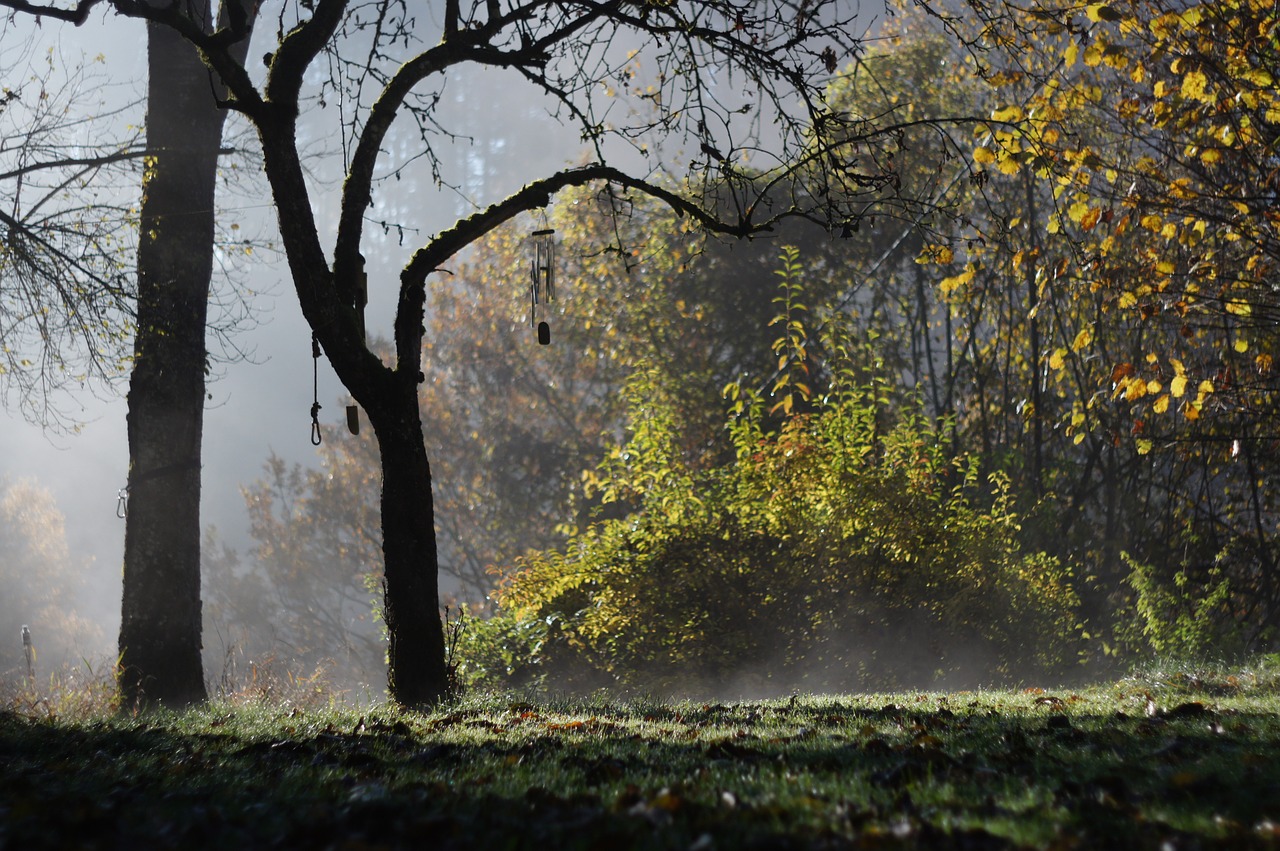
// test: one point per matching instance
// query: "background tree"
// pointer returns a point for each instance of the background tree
(38, 583)
(1148, 130)
(304, 597)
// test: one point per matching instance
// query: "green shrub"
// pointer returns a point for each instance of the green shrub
(840, 549)
(1181, 616)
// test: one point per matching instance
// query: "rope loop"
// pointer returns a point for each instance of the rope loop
(315, 390)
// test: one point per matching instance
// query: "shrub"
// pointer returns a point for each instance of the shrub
(840, 548)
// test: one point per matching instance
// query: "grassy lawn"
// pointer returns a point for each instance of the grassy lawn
(1162, 760)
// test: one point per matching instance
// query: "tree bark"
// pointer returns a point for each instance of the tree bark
(160, 625)
(416, 673)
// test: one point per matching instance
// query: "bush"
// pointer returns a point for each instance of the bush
(839, 549)
(828, 555)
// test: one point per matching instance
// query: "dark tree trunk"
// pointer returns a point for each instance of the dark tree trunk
(416, 673)
(160, 613)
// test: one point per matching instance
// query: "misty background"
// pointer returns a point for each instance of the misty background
(259, 404)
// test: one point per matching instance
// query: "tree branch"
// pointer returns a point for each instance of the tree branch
(77, 15)
(298, 48)
(539, 193)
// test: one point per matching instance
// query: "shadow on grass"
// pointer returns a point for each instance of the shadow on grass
(826, 777)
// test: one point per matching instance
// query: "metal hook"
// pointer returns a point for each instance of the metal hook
(122, 503)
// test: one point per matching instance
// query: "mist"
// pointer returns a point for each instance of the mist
(262, 386)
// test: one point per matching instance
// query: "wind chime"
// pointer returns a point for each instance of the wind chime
(542, 279)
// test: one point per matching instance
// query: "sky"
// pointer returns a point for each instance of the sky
(261, 405)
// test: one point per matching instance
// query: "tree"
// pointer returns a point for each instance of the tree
(1147, 131)
(160, 610)
(66, 295)
(160, 631)
(741, 83)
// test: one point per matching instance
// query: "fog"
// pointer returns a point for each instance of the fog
(259, 404)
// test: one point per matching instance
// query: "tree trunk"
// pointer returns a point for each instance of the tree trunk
(416, 675)
(160, 613)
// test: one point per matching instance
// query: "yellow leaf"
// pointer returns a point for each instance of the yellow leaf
(1069, 55)
(949, 284)
(1194, 85)
(1178, 386)
(1083, 339)
(1241, 346)
(1057, 359)
(1008, 113)
(1161, 405)
(983, 155)
(1154, 387)
(1239, 308)
(1144, 446)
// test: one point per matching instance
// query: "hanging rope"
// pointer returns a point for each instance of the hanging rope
(316, 437)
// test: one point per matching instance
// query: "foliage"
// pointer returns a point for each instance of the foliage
(71, 692)
(844, 549)
(1185, 618)
(1038, 325)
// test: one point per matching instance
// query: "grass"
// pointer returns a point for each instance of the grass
(1172, 757)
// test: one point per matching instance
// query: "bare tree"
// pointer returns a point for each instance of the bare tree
(68, 221)
(738, 84)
